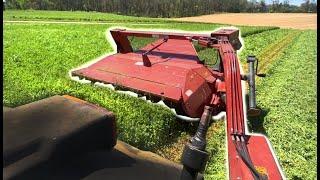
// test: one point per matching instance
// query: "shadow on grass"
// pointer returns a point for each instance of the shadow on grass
(180, 133)
(255, 124)
(181, 127)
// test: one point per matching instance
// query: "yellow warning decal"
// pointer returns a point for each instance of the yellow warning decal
(262, 170)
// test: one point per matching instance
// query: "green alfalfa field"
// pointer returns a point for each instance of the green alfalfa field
(39, 55)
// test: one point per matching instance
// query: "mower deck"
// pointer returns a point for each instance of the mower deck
(175, 74)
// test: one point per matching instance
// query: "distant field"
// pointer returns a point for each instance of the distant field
(97, 18)
(74, 16)
(283, 20)
(38, 56)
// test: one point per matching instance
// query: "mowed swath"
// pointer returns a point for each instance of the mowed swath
(38, 57)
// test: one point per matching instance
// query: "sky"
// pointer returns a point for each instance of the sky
(293, 2)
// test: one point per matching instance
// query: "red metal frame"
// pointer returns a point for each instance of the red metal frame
(173, 72)
(256, 147)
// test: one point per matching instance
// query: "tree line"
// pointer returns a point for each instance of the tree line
(162, 8)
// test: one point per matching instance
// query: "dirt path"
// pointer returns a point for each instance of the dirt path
(283, 20)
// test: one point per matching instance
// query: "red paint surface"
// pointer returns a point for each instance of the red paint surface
(175, 74)
(259, 151)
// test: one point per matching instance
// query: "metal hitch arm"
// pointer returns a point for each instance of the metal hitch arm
(146, 60)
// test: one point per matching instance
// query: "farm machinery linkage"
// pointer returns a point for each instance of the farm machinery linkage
(170, 70)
